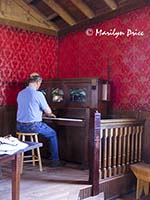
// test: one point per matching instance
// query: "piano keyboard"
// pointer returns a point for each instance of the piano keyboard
(63, 119)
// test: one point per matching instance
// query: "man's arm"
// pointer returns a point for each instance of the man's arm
(45, 107)
(48, 112)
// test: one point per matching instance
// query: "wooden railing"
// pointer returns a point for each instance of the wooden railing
(114, 144)
(121, 143)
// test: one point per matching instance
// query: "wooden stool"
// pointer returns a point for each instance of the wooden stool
(35, 156)
(142, 173)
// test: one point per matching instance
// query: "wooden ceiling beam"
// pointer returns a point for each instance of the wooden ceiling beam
(104, 17)
(60, 11)
(13, 14)
(36, 14)
(52, 16)
(29, 1)
(111, 3)
(84, 8)
(14, 22)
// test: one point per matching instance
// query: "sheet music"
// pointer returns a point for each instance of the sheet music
(11, 145)
(63, 119)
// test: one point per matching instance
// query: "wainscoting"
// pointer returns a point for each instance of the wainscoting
(7, 120)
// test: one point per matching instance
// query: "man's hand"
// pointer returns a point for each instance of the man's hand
(52, 115)
(48, 112)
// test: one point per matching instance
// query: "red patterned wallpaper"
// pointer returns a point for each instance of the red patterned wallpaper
(21, 53)
(83, 54)
(123, 44)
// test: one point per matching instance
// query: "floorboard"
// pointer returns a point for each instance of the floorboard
(62, 183)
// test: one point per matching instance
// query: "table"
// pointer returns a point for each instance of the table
(16, 166)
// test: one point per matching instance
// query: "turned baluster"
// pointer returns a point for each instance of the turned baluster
(105, 154)
(115, 151)
(100, 155)
(120, 150)
(110, 153)
(124, 149)
(136, 144)
(140, 143)
(132, 144)
(128, 147)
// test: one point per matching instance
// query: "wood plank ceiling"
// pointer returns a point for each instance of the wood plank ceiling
(59, 17)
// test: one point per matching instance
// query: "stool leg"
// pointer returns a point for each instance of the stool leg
(35, 157)
(38, 154)
(146, 188)
(22, 155)
(139, 188)
(22, 160)
(33, 152)
(21, 165)
(19, 137)
(39, 158)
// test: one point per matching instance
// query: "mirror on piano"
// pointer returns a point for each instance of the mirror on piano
(78, 95)
(57, 95)
(93, 93)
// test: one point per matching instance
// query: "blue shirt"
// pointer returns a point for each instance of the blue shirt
(31, 104)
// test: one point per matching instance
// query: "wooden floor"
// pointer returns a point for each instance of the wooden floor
(63, 183)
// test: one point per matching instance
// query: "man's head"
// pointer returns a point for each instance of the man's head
(35, 80)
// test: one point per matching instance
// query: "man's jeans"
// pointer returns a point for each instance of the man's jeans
(44, 130)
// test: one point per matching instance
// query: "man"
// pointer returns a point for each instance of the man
(31, 105)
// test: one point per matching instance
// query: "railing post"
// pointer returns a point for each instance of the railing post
(94, 149)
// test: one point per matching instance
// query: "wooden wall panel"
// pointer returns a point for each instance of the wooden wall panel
(7, 120)
(8, 125)
(146, 139)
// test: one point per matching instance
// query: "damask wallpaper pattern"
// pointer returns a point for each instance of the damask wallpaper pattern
(21, 53)
(120, 46)
(88, 53)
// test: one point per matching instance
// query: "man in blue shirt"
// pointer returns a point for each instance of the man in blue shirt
(31, 105)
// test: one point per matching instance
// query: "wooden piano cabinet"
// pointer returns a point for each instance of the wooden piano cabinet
(75, 98)
(72, 135)
(91, 93)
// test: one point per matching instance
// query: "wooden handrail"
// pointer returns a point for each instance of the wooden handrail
(114, 144)
(110, 123)
(121, 142)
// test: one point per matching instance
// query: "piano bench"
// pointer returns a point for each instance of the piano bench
(35, 155)
(142, 173)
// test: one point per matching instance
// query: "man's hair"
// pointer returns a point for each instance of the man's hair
(34, 77)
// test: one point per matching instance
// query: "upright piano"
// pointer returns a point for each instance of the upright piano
(73, 100)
